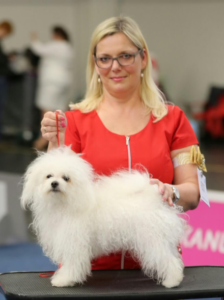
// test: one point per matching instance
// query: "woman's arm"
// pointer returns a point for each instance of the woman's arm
(185, 180)
(42, 49)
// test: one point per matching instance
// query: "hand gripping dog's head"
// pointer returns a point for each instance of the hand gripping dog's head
(58, 178)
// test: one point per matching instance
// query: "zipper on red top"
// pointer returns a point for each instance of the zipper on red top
(129, 168)
(129, 152)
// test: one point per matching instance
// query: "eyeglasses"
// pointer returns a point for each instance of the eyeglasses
(125, 59)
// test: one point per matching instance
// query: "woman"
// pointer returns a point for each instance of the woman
(123, 122)
(55, 74)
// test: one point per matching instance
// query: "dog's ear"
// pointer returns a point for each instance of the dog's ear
(28, 187)
(29, 180)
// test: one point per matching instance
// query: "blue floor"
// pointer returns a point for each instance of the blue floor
(27, 257)
(23, 257)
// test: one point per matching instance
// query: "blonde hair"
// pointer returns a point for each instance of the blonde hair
(150, 94)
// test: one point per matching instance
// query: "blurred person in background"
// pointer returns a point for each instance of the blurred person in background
(6, 28)
(54, 74)
(124, 122)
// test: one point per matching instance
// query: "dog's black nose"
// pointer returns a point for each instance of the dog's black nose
(54, 184)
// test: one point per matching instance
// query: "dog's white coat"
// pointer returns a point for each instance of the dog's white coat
(91, 216)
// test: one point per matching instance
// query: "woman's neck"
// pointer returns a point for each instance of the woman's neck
(122, 103)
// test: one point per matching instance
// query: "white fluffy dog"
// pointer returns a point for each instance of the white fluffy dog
(79, 216)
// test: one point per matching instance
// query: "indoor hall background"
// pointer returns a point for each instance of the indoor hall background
(184, 36)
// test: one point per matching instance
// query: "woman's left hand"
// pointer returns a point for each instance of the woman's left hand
(165, 190)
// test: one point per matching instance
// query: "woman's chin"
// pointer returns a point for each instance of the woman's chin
(120, 88)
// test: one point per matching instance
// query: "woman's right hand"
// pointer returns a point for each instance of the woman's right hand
(49, 128)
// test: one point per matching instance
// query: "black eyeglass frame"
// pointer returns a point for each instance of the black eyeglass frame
(117, 59)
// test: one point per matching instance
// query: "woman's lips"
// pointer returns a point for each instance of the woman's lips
(118, 78)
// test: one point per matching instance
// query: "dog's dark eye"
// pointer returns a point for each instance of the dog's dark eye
(49, 176)
(66, 178)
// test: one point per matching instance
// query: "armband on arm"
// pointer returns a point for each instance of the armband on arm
(192, 157)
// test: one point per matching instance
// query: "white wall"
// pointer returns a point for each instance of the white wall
(187, 36)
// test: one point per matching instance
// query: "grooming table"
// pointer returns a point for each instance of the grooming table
(199, 282)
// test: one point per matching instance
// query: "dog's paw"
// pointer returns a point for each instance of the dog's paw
(173, 281)
(61, 281)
